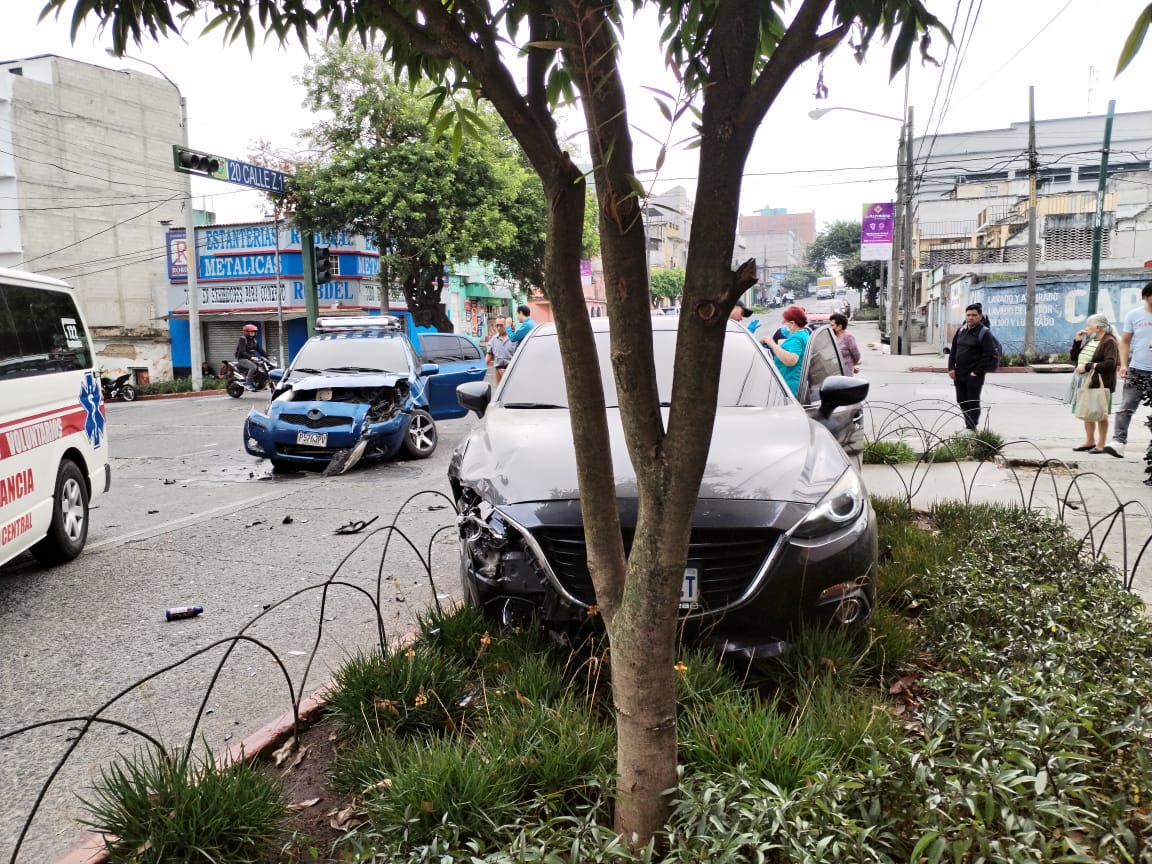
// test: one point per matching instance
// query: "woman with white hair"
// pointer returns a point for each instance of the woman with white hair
(1096, 354)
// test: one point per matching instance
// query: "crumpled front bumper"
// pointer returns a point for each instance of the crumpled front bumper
(275, 436)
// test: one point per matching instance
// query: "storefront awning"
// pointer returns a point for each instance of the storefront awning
(481, 291)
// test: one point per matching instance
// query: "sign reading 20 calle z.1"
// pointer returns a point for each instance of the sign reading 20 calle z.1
(229, 170)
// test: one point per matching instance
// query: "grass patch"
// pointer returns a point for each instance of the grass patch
(994, 708)
(866, 313)
(408, 691)
(156, 808)
(887, 453)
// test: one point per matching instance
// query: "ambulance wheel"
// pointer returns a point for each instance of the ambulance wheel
(68, 529)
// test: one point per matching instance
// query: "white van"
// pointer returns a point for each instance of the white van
(53, 445)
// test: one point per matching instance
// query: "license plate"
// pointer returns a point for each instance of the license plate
(312, 439)
(690, 588)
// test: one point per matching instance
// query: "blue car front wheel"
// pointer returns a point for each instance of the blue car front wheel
(420, 440)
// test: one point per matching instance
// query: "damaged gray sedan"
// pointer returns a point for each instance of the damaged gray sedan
(783, 533)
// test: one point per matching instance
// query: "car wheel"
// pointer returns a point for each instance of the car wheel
(280, 466)
(420, 440)
(68, 529)
(235, 389)
(128, 394)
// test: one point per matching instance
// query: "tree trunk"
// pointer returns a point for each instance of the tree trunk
(423, 288)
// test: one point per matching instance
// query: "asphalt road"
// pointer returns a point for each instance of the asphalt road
(191, 519)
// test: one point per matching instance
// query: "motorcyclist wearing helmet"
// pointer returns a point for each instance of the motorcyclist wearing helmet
(247, 350)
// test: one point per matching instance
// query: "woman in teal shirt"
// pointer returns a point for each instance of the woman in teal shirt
(789, 353)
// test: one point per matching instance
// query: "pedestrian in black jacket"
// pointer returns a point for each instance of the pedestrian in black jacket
(973, 355)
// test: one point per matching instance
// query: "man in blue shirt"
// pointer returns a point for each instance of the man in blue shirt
(524, 316)
(1136, 370)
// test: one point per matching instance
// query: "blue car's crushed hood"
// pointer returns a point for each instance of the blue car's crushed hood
(343, 382)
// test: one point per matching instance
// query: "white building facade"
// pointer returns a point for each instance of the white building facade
(88, 187)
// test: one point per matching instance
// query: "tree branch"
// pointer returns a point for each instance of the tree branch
(799, 44)
(538, 140)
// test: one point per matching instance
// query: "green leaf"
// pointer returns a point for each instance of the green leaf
(1135, 39)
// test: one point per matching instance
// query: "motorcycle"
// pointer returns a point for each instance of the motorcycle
(117, 388)
(237, 379)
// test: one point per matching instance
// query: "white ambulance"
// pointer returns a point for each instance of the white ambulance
(53, 445)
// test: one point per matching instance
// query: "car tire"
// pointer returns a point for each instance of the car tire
(128, 394)
(421, 438)
(68, 530)
(235, 389)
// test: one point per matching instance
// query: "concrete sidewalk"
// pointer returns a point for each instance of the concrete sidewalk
(906, 402)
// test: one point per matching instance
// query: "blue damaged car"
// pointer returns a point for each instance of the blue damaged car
(357, 390)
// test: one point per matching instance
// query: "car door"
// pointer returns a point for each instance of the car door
(460, 360)
(822, 360)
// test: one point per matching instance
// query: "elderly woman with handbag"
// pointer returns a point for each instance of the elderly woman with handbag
(1093, 399)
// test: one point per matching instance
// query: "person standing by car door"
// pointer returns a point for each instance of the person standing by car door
(500, 348)
(789, 353)
(973, 354)
(525, 325)
(247, 350)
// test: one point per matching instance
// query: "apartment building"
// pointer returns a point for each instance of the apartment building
(88, 188)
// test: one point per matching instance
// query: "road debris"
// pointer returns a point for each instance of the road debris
(355, 526)
(175, 613)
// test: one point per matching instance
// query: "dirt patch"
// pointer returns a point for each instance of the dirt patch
(304, 777)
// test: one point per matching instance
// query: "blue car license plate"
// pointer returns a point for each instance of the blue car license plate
(312, 439)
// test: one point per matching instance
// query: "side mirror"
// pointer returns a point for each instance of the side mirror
(474, 396)
(429, 369)
(840, 390)
(276, 374)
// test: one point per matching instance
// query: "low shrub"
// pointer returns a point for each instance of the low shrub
(866, 313)
(178, 385)
(887, 453)
(156, 808)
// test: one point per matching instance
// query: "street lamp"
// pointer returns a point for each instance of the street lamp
(904, 340)
(817, 113)
(196, 346)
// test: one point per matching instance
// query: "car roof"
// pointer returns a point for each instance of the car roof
(603, 325)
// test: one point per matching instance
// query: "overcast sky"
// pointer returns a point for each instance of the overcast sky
(1067, 49)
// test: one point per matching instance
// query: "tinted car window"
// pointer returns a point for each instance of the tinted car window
(369, 352)
(746, 380)
(468, 351)
(40, 333)
(438, 349)
(823, 359)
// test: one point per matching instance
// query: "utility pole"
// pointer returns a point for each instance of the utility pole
(1030, 295)
(894, 269)
(1098, 224)
(909, 220)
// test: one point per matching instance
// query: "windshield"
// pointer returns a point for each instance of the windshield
(537, 379)
(352, 354)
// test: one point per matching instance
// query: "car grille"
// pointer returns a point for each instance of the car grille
(316, 422)
(728, 560)
(314, 452)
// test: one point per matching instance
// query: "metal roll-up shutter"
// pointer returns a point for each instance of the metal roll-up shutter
(270, 339)
(220, 338)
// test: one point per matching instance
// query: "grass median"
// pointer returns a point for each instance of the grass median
(995, 708)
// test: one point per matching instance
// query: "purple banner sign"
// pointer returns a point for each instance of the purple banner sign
(876, 224)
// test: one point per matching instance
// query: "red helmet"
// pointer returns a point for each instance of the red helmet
(251, 328)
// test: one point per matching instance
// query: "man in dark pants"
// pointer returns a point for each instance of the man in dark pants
(973, 355)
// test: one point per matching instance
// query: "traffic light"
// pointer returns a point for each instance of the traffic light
(194, 162)
(323, 268)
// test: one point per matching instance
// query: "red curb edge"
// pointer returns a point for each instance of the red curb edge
(89, 848)
(186, 395)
